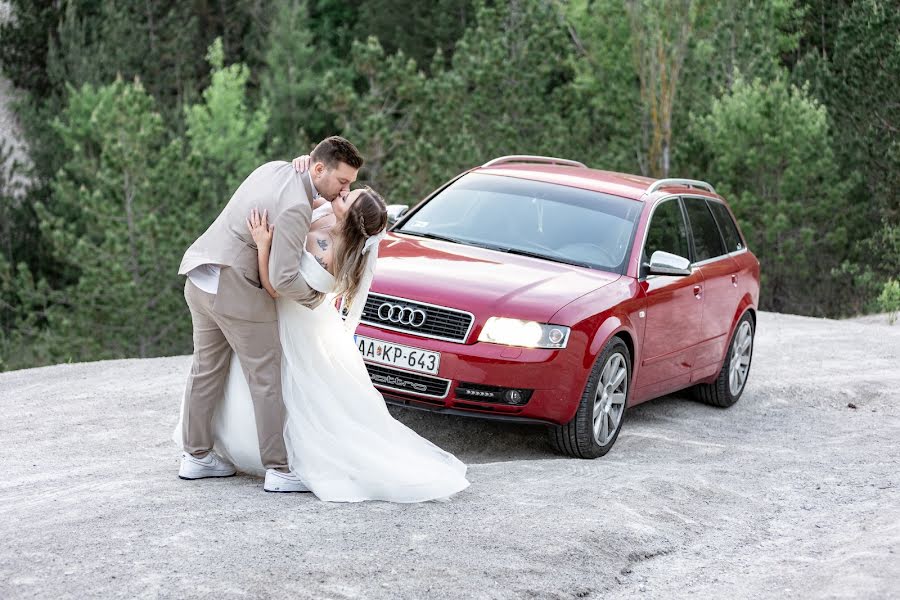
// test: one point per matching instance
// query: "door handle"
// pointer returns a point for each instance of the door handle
(698, 292)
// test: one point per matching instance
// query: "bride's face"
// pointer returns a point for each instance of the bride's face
(341, 205)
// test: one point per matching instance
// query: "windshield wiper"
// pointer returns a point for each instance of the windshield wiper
(559, 259)
(434, 236)
(447, 238)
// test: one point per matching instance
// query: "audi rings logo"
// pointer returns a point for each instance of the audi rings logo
(402, 315)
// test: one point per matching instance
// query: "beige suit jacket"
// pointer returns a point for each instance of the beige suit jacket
(287, 195)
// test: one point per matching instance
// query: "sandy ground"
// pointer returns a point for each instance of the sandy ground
(789, 494)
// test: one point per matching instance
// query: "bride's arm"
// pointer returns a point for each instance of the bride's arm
(262, 235)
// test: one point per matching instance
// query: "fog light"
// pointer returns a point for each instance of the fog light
(514, 397)
(494, 394)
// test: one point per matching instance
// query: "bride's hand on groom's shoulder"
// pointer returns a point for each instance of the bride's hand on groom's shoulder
(260, 229)
(301, 163)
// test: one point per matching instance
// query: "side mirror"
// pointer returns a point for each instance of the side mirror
(395, 211)
(665, 263)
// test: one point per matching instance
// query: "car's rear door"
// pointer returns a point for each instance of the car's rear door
(720, 294)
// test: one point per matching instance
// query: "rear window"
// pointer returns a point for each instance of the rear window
(726, 226)
(707, 241)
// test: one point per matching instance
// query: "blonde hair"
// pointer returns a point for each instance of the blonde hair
(367, 217)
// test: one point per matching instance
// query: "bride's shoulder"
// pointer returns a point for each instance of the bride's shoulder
(321, 211)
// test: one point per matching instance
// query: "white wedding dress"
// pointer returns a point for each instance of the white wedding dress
(341, 440)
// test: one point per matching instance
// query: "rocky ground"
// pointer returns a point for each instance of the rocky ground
(792, 493)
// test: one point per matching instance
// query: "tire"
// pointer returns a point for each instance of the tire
(578, 438)
(724, 392)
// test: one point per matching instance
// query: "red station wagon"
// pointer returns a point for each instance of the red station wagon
(537, 290)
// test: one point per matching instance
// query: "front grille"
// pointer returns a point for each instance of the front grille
(404, 381)
(440, 323)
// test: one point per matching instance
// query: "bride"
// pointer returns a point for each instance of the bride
(341, 440)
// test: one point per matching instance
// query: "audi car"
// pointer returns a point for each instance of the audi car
(534, 289)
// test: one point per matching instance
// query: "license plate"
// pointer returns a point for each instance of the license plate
(397, 355)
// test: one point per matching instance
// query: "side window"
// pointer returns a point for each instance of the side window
(667, 230)
(727, 227)
(707, 241)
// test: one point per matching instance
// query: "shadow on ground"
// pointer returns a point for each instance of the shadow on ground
(478, 441)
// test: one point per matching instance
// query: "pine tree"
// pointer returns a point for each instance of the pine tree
(606, 83)
(225, 134)
(292, 81)
(118, 221)
(382, 118)
(772, 160)
(512, 85)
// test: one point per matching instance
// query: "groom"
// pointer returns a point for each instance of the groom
(231, 312)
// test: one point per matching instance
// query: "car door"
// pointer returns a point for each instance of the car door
(720, 293)
(674, 307)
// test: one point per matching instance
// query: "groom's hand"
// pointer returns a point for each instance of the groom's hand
(301, 163)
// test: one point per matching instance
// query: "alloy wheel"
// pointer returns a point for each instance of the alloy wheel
(609, 401)
(741, 350)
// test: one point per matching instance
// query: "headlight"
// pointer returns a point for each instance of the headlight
(529, 334)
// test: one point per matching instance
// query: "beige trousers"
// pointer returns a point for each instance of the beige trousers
(259, 350)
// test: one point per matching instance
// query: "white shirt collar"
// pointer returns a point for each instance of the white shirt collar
(313, 186)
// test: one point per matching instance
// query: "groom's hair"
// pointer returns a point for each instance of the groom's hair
(335, 149)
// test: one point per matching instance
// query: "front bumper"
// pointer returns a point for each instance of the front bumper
(557, 378)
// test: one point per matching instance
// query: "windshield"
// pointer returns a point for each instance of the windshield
(545, 220)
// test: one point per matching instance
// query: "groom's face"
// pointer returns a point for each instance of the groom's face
(333, 182)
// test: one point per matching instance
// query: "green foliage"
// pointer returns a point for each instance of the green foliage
(334, 23)
(501, 87)
(117, 220)
(772, 157)
(851, 56)
(417, 130)
(863, 74)
(741, 37)
(20, 304)
(128, 198)
(10, 197)
(225, 134)
(416, 28)
(25, 340)
(292, 82)
(23, 44)
(889, 300)
(94, 42)
(880, 265)
(605, 83)
(381, 118)
(737, 39)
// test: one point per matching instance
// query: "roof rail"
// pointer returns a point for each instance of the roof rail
(533, 159)
(657, 185)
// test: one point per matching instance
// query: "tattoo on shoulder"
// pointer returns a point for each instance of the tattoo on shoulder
(322, 262)
(323, 244)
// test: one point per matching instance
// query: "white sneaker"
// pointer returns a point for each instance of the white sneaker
(276, 481)
(201, 468)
